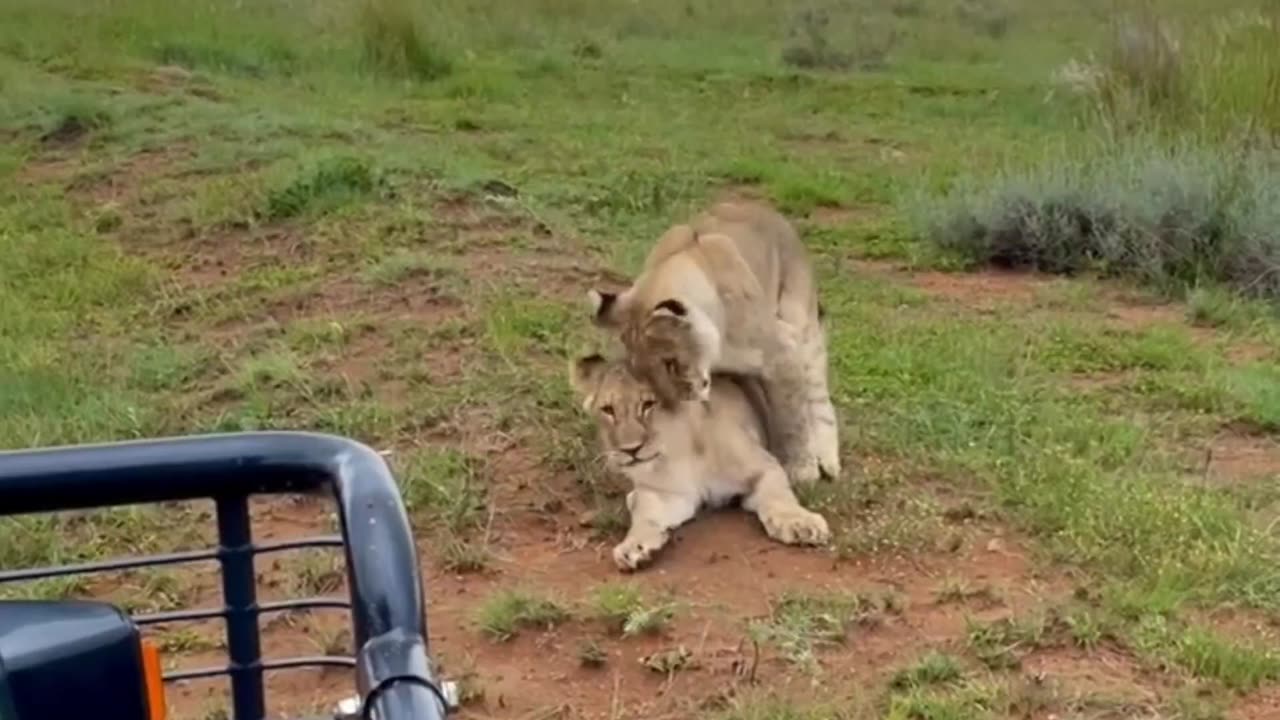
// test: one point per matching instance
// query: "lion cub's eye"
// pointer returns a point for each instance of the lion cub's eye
(646, 407)
(607, 410)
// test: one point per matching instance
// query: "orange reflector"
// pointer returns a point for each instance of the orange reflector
(154, 680)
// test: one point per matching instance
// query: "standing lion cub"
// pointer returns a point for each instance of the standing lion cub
(733, 291)
(683, 456)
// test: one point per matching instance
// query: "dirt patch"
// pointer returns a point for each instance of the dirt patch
(1233, 459)
(832, 217)
(1099, 382)
(724, 572)
(982, 290)
(1102, 673)
(119, 181)
(1143, 316)
(1260, 705)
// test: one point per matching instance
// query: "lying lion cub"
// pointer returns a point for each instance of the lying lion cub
(683, 456)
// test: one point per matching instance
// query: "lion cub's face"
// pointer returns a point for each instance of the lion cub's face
(625, 409)
(668, 347)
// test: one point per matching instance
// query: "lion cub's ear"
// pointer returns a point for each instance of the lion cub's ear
(670, 307)
(668, 316)
(584, 376)
(604, 307)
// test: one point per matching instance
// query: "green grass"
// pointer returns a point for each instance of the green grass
(625, 610)
(932, 669)
(801, 625)
(1000, 645)
(503, 615)
(378, 218)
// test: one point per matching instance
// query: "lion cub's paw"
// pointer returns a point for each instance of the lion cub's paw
(804, 471)
(828, 456)
(635, 552)
(796, 526)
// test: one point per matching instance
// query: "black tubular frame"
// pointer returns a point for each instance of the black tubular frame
(394, 675)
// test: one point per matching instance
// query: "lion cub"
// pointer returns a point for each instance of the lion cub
(682, 456)
(733, 291)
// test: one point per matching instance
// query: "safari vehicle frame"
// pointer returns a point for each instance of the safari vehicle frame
(394, 674)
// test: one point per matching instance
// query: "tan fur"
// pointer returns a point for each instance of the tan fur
(684, 456)
(733, 291)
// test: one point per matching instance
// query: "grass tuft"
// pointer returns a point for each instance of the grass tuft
(444, 484)
(324, 186)
(802, 624)
(396, 41)
(72, 117)
(933, 669)
(507, 612)
(624, 608)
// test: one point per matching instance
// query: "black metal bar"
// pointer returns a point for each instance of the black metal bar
(150, 471)
(177, 558)
(239, 591)
(316, 661)
(173, 616)
(292, 663)
(196, 674)
(319, 541)
(304, 604)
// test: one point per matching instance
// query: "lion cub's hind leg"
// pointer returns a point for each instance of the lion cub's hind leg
(781, 514)
(790, 417)
(653, 516)
(824, 428)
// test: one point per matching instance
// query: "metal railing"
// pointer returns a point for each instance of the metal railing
(392, 661)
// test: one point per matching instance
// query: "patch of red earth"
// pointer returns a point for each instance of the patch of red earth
(721, 569)
(1099, 382)
(1244, 352)
(1104, 672)
(724, 572)
(832, 217)
(983, 290)
(740, 192)
(1126, 310)
(1260, 705)
(173, 80)
(219, 257)
(1233, 459)
(119, 184)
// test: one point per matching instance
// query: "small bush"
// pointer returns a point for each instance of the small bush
(328, 184)
(72, 117)
(987, 17)
(813, 43)
(933, 669)
(1174, 218)
(395, 41)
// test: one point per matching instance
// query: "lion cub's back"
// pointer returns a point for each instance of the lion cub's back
(767, 241)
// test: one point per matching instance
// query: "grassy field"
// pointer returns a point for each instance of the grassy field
(379, 219)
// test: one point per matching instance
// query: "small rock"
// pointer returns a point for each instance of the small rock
(995, 545)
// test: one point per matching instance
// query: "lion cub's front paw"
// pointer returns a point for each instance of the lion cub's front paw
(636, 551)
(796, 526)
